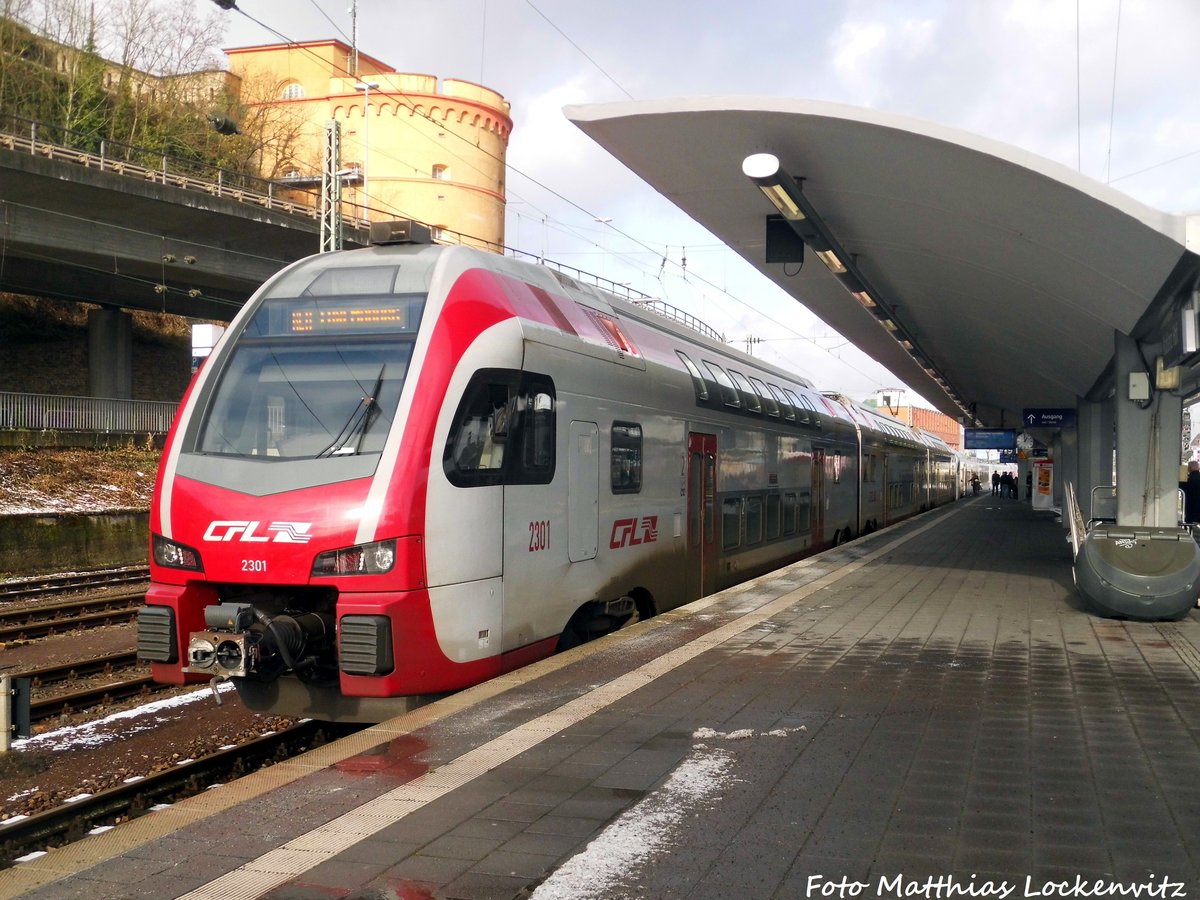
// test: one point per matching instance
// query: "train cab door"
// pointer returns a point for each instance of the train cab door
(583, 491)
(702, 515)
(818, 497)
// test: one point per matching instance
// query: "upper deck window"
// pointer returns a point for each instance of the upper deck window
(768, 401)
(728, 392)
(697, 378)
(789, 410)
(750, 399)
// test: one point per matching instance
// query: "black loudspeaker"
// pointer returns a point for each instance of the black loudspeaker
(783, 244)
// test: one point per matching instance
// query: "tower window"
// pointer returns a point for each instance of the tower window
(293, 91)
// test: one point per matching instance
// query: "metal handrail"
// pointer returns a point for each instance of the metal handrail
(54, 412)
(676, 314)
(28, 136)
(1075, 518)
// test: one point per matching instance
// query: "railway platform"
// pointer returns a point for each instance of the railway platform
(925, 712)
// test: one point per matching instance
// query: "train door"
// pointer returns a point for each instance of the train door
(818, 497)
(888, 501)
(702, 515)
(583, 491)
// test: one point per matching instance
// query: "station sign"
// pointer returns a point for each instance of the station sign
(1048, 418)
(989, 439)
(1007, 456)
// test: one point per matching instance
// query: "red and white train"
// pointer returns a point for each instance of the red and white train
(409, 468)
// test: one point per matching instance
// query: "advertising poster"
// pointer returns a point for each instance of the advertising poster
(1043, 484)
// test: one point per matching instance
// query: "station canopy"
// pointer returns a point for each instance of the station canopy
(1000, 276)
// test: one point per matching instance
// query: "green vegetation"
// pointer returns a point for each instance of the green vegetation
(80, 99)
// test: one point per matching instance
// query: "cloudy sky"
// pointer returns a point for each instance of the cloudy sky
(1102, 86)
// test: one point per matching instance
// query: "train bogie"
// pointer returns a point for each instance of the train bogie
(408, 469)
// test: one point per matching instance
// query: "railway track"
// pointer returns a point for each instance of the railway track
(44, 619)
(49, 585)
(72, 821)
(98, 665)
(88, 698)
(122, 686)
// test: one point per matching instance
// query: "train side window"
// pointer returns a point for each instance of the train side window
(768, 402)
(626, 458)
(731, 523)
(789, 409)
(535, 431)
(697, 379)
(804, 512)
(771, 522)
(728, 391)
(503, 431)
(750, 399)
(789, 513)
(475, 449)
(801, 408)
(754, 520)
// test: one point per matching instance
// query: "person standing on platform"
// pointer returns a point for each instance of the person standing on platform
(1191, 494)
(1005, 484)
(995, 483)
(1014, 486)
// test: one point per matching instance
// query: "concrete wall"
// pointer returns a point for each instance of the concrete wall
(39, 543)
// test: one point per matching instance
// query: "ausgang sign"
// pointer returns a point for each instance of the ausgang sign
(1048, 418)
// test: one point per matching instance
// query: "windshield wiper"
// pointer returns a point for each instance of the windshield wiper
(357, 425)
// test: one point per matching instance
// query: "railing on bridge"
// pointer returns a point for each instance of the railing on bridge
(65, 145)
(53, 412)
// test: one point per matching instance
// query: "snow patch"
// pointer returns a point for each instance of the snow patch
(91, 734)
(741, 734)
(639, 833)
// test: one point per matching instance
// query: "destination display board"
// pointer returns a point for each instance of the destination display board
(989, 439)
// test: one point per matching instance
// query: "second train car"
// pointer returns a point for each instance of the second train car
(409, 468)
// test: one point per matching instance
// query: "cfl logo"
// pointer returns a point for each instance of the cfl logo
(245, 531)
(628, 532)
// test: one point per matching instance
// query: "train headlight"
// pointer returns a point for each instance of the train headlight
(362, 559)
(176, 556)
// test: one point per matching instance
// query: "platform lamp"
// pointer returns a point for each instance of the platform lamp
(366, 87)
(795, 210)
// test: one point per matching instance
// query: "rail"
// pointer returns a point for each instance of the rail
(675, 314)
(1075, 518)
(65, 145)
(54, 412)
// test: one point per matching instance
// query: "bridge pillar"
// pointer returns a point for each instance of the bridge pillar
(110, 353)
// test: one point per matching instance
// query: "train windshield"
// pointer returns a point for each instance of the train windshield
(312, 378)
